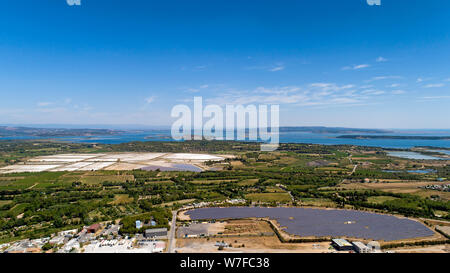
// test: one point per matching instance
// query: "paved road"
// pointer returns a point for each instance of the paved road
(173, 227)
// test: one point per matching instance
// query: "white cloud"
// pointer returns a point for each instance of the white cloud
(380, 78)
(55, 105)
(150, 99)
(192, 90)
(435, 85)
(381, 59)
(197, 89)
(373, 92)
(277, 68)
(314, 94)
(398, 92)
(44, 104)
(420, 79)
(331, 86)
(271, 68)
(435, 97)
(344, 100)
(361, 66)
(52, 110)
(356, 67)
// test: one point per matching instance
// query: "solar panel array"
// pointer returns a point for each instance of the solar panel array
(323, 222)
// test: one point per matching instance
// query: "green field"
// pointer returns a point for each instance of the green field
(120, 199)
(269, 197)
(317, 202)
(380, 199)
(37, 204)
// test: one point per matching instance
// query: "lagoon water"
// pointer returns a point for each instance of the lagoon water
(441, 151)
(331, 139)
(413, 155)
(324, 223)
(285, 137)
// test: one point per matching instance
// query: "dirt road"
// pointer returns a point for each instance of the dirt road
(173, 227)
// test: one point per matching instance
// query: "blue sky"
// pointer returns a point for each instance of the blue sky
(326, 62)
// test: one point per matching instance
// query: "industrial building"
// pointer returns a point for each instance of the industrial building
(361, 248)
(341, 244)
(93, 228)
(155, 232)
(374, 246)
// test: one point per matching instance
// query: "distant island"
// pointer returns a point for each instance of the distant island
(332, 130)
(395, 137)
(10, 131)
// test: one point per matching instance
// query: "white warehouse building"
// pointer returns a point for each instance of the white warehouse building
(361, 248)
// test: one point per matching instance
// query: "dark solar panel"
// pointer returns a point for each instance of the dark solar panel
(321, 222)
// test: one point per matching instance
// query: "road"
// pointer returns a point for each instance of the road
(351, 162)
(283, 187)
(173, 227)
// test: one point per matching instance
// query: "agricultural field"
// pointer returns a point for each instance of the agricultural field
(34, 204)
(269, 197)
(380, 199)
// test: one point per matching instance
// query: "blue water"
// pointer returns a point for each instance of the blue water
(330, 139)
(441, 151)
(285, 137)
(413, 155)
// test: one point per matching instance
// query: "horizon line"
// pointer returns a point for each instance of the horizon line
(143, 126)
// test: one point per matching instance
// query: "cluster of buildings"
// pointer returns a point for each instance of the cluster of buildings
(140, 224)
(358, 247)
(443, 187)
(62, 239)
(236, 201)
(92, 239)
(24, 246)
(154, 233)
(368, 180)
(125, 245)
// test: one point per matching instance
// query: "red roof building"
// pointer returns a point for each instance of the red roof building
(93, 228)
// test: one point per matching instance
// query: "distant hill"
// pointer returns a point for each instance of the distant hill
(395, 137)
(9, 131)
(16, 131)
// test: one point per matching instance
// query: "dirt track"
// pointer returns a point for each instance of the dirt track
(264, 244)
